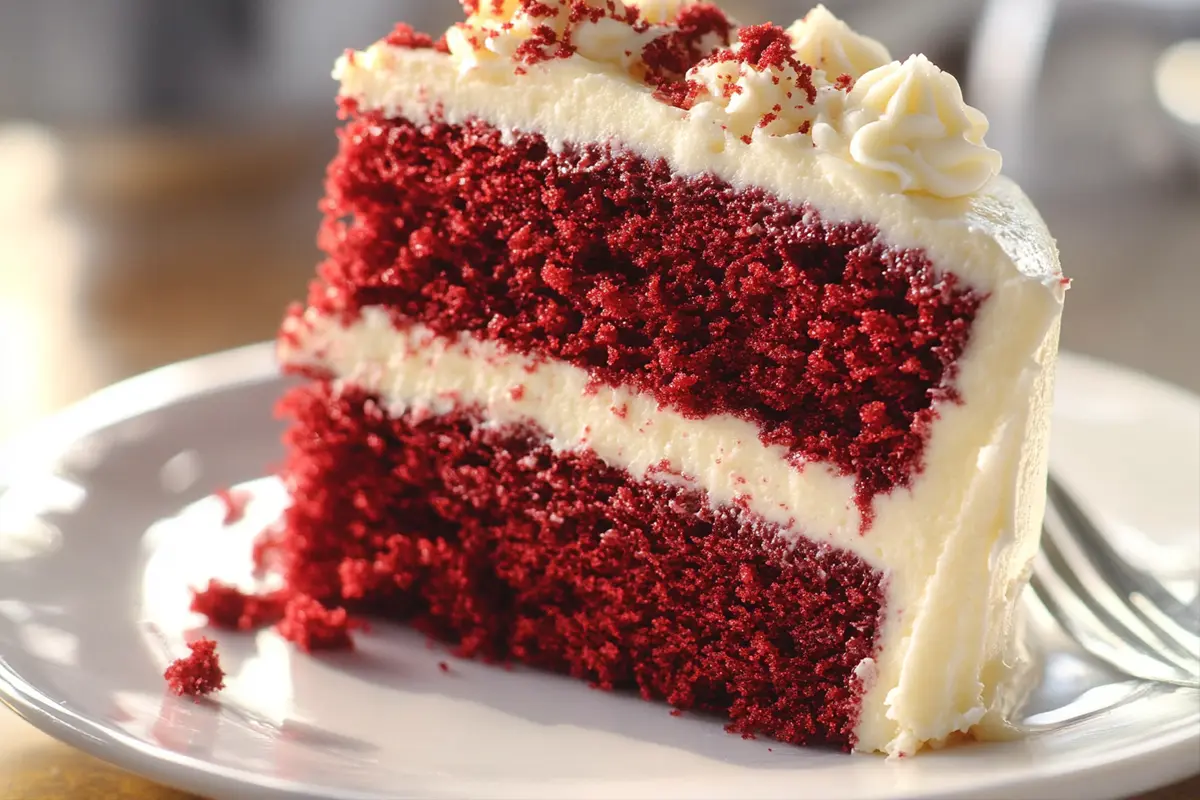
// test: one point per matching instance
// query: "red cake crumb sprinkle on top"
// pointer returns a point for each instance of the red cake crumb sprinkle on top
(313, 627)
(232, 609)
(768, 46)
(546, 43)
(406, 36)
(198, 674)
(668, 58)
(235, 502)
(761, 47)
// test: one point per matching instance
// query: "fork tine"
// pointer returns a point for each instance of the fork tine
(1172, 624)
(1079, 621)
(1117, 571)
(1092, 578)
(1072, 569)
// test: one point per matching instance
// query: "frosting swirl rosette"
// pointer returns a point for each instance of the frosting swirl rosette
(908, 124)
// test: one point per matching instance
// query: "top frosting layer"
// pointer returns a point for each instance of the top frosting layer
(904, 127)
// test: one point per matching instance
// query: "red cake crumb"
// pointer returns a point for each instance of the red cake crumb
(199, 674)
(235, 502)
(313, 627)
(711, 299)
(517, 393)
(264, 550)
(229, 608)
(761, 47)
(487, 538)
(699, 29)
(405, 36)
(768, 46)
(443, 666)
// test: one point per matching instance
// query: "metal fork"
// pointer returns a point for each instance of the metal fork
(1120, 614)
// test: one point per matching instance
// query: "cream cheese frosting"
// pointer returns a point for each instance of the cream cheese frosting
(907, 123)
(830, 45)
(894, 146)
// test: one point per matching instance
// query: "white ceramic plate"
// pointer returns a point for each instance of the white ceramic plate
(106, 521)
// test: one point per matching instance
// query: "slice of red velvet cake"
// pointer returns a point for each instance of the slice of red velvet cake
(707, 362)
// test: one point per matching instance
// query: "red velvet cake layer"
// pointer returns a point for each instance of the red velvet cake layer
(714, 300)
(484, 537)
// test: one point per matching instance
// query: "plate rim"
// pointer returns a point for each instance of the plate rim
(221, 371)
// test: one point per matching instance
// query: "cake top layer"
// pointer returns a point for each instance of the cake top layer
(886, 142)
(817, 85)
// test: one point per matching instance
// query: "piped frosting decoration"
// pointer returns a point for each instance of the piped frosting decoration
(908, 125)
(819, 85)
(757, 84)
(827, 44)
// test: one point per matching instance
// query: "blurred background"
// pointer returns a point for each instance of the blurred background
(160, 162)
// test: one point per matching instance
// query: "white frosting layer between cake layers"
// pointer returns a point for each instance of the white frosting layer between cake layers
(956, 545)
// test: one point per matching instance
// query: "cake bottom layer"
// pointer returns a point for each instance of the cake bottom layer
(486, 537)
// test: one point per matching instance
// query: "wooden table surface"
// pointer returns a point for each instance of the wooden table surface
(166, 262)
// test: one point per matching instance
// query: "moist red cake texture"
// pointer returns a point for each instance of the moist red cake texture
(714, 300)
(486, 538)
(199, 674)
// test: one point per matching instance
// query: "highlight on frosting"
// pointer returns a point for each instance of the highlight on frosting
(908, 124)
(826, 43)
(817, 84)
(661, 12)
